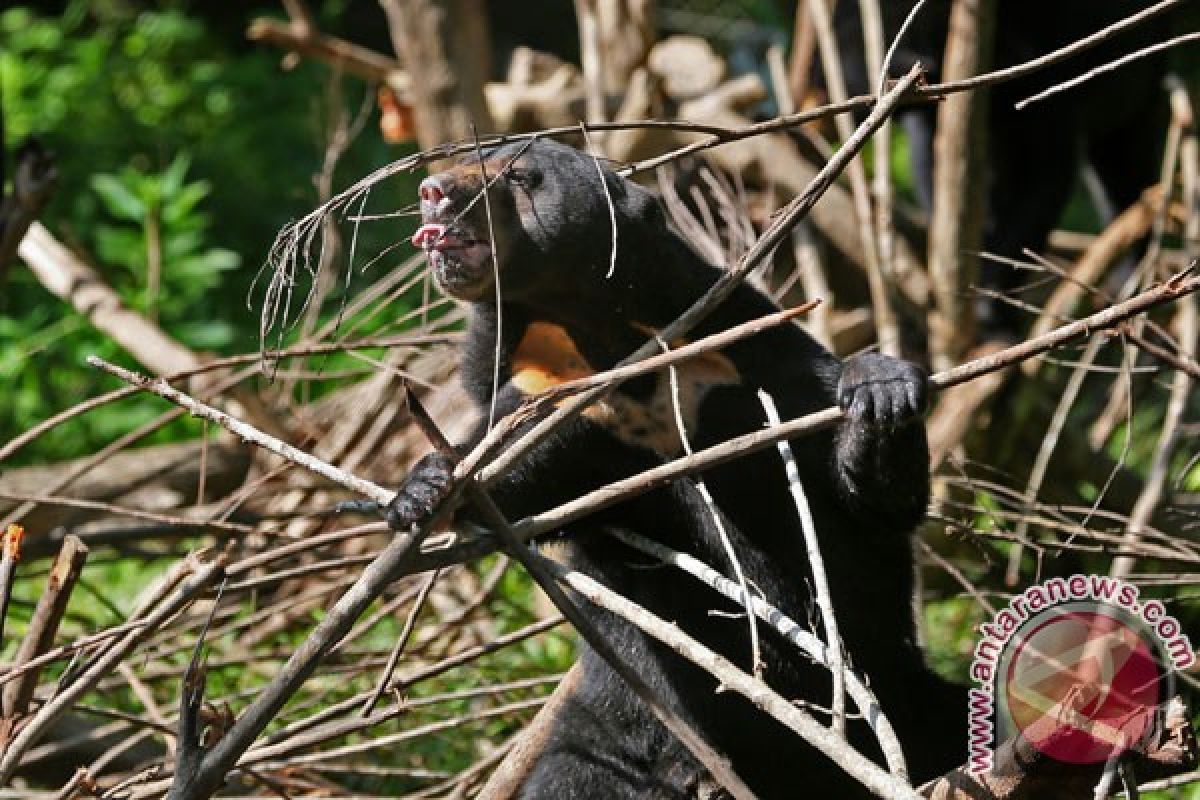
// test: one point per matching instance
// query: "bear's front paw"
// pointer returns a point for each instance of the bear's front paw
(879, 390)
(422, 491)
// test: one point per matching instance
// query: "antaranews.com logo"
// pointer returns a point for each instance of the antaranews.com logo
(1078, 666)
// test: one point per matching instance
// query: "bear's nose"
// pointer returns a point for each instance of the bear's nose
(430, 191)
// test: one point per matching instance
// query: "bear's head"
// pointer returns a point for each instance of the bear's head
(552, 209)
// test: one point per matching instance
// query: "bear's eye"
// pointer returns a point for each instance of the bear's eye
(526, 178)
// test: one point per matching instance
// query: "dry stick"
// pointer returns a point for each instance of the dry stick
(48, 714)
(390, 740)
(83, 465)
(756, 662)
(392, 561)
(12, 446)
(612, 210)
(247, 432)
(46, 618)
(956, 220)
(796, 210)
(887, 331)
(881, 184)
(1175, 288)
(1130, 225)
(1188, 320)
(333, 710)
(345, 727)
(1049, 443)
(555, 518)
(716, 341)
(19, 441)
(924, 93)
(379, 494)
(121, 511)
(410, 624)
(10, 555)
(717, 764)
(1172, 359)
(590, 59)
(728, 676)
(528, 745)
(803, 46)
(810, 645)
(149, 597)
(812, 547)
(1106, 68)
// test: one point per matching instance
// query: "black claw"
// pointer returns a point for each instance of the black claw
(902, 408)
(882, 391)
(422, 492)
(368, 507)
(881, 400)
(863, 406)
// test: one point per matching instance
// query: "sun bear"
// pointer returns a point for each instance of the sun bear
(568, 308)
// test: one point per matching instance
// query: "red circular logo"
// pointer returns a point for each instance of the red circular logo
(1083, 686)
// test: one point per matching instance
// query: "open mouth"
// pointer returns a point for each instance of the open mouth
(459, 260)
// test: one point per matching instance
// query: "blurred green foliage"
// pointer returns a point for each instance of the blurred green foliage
(161, 224)
(181, 151)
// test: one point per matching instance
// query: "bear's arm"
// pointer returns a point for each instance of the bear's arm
(879, 457)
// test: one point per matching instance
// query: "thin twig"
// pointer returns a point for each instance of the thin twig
(1188, 321)
(727, 675)
(756, 661)
(10, 556)
(816, 563)
(612, 210)
(1106, 68)
(410, 624)
(247, 432)
(810, 645)
(47, 616)
(1046, 450)
(831, 63)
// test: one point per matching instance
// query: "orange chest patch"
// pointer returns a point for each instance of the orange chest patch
(547, 357)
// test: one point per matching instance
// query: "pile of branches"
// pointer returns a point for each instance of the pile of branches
(289, 650)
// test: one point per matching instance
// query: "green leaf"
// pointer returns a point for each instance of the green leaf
(215, 260)
(121, 247)
(118, 199)
(179, 205)
(173, 175)
(181, 244)
(206, 335)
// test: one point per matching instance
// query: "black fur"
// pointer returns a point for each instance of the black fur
(867, 484)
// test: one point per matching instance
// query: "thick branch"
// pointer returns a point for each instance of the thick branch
(343, 55)
(42, 627)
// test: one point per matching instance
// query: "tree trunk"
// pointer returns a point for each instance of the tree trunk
(443, 45)
(956, 226)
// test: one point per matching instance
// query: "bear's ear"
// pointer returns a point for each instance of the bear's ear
(635, 203)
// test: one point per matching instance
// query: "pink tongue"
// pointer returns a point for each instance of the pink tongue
(428, 235)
